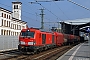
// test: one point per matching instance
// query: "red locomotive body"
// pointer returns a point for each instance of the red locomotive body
(59, 39)
(34, 40)
(27, 39)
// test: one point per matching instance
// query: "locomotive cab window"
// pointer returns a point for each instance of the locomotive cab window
(28, 34)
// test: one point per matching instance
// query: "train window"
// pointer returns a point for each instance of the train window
(52, 38)
(31, 34)
(28, 34)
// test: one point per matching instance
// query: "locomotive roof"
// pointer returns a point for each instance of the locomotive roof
(42, 30)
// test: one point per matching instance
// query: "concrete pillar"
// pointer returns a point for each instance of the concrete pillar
(89, 39)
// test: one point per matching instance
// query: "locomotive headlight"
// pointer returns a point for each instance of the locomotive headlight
(21, 42)
(31, 43)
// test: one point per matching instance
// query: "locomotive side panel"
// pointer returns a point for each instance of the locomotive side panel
(49, 38)
(59, 39)
(38, 38)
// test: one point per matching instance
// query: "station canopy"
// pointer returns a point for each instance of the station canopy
(77, 24)
(78, 21)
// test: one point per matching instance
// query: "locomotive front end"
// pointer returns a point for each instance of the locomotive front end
(26, 41)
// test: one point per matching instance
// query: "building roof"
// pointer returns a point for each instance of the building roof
(14, 19)
(16, 2)
(78, 21)
(5, 10)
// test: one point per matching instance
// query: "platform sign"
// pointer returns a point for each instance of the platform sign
(88, 29)
(87, 34)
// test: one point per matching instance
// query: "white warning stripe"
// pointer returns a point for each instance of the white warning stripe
(67, 52)
(71, 58)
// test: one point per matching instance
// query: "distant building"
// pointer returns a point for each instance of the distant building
(10, 22)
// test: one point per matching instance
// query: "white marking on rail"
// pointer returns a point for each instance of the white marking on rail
(71, 58)
(66, 53)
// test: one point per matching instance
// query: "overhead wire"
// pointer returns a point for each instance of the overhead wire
(48, 10)
(79, 5)
(44, 8)
(34, 14)
(22, 10)
(62, 11)
(5, 5)
(29, 19)
(38, 15)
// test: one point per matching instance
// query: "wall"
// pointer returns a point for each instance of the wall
(8, 42)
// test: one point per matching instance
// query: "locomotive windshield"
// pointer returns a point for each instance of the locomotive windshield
(28, 34)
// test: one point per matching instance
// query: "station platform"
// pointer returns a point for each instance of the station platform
(79, 52)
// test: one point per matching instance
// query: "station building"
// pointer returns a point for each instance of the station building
(10, 21)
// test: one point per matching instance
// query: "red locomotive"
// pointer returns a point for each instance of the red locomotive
(34, 40)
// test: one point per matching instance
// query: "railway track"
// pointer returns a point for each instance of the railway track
(50, 54)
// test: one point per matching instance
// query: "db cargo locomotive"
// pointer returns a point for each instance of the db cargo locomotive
(34, 40)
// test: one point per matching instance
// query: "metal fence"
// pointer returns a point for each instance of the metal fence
(8, 42)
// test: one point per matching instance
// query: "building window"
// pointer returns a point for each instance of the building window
(13, 33)
(17, 27)
(15, 6)
(9, 16)
(9, 33)
(2, 14)
(17, 33)
(2, 22)
(13, 26)
(2, 32)
(9, 23)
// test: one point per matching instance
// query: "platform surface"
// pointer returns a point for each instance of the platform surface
(79, 52)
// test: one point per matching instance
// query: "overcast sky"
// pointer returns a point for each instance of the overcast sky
(54, 11)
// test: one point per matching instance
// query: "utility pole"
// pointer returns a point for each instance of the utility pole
(42, 16)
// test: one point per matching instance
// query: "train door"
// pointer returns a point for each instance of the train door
(43, 38)
(52, 38)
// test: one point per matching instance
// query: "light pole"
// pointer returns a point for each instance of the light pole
(42, 14)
